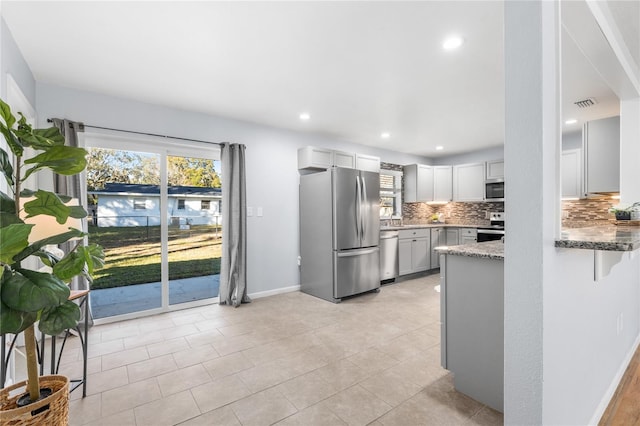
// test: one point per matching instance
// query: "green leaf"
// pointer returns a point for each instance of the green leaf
(40, 139)
(49, 204)
(70, 265)
(93, 256)
(13, 240)
(12, 141)
(7, 204)
(64, 160)
(57, 319)
(6, 167)
(30, 291)
(56, 239)
(77, 212)
(5, 113)
(8, 219)
(13, 321)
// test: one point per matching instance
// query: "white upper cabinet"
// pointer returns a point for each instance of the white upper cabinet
(311, 157)
(571, 173)
(442, 183)
(368, 163)
(468, 182)
(418, 183)
(495, 169)
(314, 158)
(344, 159)
(601, 145)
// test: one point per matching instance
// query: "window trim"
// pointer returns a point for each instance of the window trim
(395, 193)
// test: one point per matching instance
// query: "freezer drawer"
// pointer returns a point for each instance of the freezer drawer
(356, 271)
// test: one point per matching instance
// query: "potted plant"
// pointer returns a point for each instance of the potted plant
(28, 295)
(622, 213)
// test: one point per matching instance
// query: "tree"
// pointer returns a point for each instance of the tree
(115, 166)
(186, 171)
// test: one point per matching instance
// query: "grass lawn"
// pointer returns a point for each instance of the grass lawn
(132, 254)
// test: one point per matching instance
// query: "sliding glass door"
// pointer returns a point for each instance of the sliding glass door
(155, 210)
(194, 248)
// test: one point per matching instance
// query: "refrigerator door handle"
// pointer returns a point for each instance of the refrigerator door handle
(352, 253)
(358, 208)
(364, 212)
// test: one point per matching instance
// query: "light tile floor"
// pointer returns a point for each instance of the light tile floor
(290, 359)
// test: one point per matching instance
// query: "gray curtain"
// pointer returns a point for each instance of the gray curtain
(233, 265)
(70, 186)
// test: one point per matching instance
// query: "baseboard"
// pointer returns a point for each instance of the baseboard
(267, 293)
(604, 402)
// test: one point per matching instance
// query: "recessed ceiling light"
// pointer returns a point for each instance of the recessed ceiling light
(305, 116)
(452, 42)
(439, 148)
(571, 121)
(385, 135)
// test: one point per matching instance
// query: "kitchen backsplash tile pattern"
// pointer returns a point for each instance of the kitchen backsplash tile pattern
(588, 212)
(454, 213)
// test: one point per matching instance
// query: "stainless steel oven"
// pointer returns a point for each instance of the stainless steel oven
(494, 190)
(495, 231)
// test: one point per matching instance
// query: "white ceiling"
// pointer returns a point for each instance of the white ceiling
(359, 68)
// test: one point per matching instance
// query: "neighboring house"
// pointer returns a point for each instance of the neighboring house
(124, 204)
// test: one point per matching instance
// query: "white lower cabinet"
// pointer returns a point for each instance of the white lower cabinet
(468, 235)
(453, 237)
(438, 238)
(414, 250)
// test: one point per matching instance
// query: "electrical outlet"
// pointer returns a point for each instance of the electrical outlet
(249, 211)
(259, 212)
(565, 214)
(299, 260)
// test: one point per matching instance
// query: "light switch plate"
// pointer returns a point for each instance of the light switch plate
(259, 212)
(249, 211)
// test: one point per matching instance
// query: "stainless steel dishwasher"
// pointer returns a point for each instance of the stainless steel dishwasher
(388, 255)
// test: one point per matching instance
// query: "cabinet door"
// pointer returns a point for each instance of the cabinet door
(495, 169)
(442, 183)
(344, 159)
(601, 142)
(368, 163)
(452, 237)
(404, 256)
(311, 157)
(425, 183)
(468, 182)
(437, 239)
(420, 254)
(571, 174)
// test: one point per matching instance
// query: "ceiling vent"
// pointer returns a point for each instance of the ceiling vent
(586, 103)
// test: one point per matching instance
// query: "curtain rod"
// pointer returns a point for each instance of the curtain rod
(50, 120)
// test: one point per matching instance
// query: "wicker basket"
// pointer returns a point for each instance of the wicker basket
(57, 413)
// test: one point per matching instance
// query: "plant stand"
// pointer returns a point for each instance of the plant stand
(52, 410)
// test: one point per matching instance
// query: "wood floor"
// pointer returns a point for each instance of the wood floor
(624, 408)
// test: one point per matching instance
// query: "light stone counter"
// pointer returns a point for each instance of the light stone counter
(427, 225)
(486, 250)
(607, 238)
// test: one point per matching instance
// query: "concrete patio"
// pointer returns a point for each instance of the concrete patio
(140, 297)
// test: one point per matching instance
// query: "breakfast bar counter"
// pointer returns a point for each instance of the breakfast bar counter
(607, 238)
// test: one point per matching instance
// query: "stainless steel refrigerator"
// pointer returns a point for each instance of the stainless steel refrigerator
(339, 233)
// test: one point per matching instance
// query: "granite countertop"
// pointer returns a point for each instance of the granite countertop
(610, 238)
(426, 225)
(486, 250)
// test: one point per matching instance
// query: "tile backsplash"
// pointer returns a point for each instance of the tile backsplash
(454, 213)
(588, 212)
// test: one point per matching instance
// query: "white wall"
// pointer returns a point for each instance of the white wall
(479, 156)
(568, 338)
(12, 62)
(572, 140)
(272, 176)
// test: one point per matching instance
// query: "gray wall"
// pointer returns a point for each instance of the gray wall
(12, 62)
(488, 154)
(272, 176)
(572, 140)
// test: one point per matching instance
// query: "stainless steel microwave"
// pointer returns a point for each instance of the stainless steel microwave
(494, 190)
